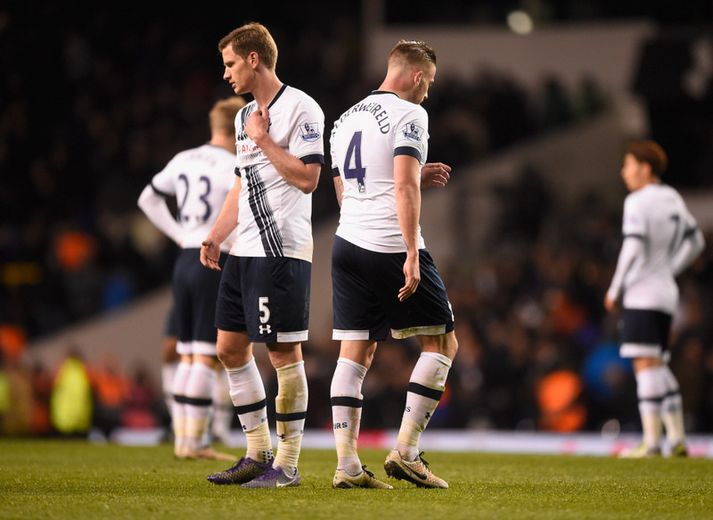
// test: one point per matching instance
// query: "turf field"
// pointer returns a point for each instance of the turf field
(73, 479)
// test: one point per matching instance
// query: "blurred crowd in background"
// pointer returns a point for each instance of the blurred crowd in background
(94, 105)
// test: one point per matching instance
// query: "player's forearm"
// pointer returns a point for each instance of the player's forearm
(227, 218)
(689, 250)
(296, 173)
(408, 209)
(630, 250)
(154, 207)
(338, 189)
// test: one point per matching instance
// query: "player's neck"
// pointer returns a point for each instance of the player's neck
(223, 141)
(266, 88)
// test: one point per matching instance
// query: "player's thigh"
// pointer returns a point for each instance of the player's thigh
(644, 333)
(357, 311)
(427, 311)
(276, 293)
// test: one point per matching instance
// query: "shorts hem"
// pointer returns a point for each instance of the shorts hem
(427, 330)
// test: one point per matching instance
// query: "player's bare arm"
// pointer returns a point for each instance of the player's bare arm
(338, 189)
(226, 222)
(408, 209)
(435, 175)
(300, 175)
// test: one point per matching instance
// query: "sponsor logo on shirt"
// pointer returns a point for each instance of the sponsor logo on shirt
(310, 131)
(412, 131)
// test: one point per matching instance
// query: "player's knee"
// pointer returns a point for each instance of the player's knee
(450, 345)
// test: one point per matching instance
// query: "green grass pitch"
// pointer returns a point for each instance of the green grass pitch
(73, 479)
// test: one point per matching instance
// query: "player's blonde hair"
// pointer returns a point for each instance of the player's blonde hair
(651, 153)
(252, 37)
(222, 115)
(413, 52)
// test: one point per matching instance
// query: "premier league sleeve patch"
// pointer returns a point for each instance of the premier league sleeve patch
(310, 132)
(412, 131)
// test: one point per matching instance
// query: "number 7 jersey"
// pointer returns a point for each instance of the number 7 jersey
(364, 142)
(657, 215)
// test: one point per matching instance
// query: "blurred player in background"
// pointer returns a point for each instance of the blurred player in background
(661, 239)
(200, 179)
(265, 286)
(383, 276)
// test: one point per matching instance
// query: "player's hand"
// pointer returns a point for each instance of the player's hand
(609, 304)
(435, 174)
(210, 255)
(257, 125)
(412, 274)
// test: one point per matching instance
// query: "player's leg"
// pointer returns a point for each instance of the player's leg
(199, 407)
(426, 386)
(169, 359)
(247, 391)
(427, 315)
(222, 407)
(277, 313)
(672, 415)
(644, 337)
(359, 322)
(178, 415)
(355, 357)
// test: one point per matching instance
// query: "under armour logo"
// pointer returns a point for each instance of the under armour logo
(265, 329)
(428, 415)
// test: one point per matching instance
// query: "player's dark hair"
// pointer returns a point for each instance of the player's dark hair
(414, 52)
(651, 153)
(252, 37)
(222, 115)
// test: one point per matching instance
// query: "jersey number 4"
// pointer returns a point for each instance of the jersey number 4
(358, 171)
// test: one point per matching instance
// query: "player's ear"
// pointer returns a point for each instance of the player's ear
(417, 77)
(253, 59)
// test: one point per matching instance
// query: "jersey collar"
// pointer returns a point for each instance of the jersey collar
(279, 93)
(373, 92)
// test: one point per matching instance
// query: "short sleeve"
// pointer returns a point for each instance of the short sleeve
(412, 135)
(634, 221)
(306, 141)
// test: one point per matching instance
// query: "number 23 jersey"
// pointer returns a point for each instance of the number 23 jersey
(200, 179)
(364, 142)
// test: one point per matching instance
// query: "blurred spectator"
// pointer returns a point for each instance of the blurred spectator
(71, 400)
(111, 391)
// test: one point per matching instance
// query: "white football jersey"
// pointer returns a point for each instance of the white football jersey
(200, 179)
(274, 217)
(364, 141)
(657, 215)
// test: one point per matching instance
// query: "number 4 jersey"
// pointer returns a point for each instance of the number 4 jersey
(657, 216)
(200, 179)
(364, 142)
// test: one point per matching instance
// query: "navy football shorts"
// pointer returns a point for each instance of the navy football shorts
(365, 288)
(266, 297)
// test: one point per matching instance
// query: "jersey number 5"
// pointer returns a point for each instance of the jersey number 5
(358, 172)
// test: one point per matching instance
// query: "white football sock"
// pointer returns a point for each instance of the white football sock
(199, 401)
(426, 385)
(291, 411)
(347, 400)
(248, 394)
(180, 379)
(222, 407)
(672, 408)
(650, 388)
(168, 372)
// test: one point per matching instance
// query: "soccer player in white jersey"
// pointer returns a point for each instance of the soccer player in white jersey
(200, 179)
(661, 239)
(383, 277)
(264, 290)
